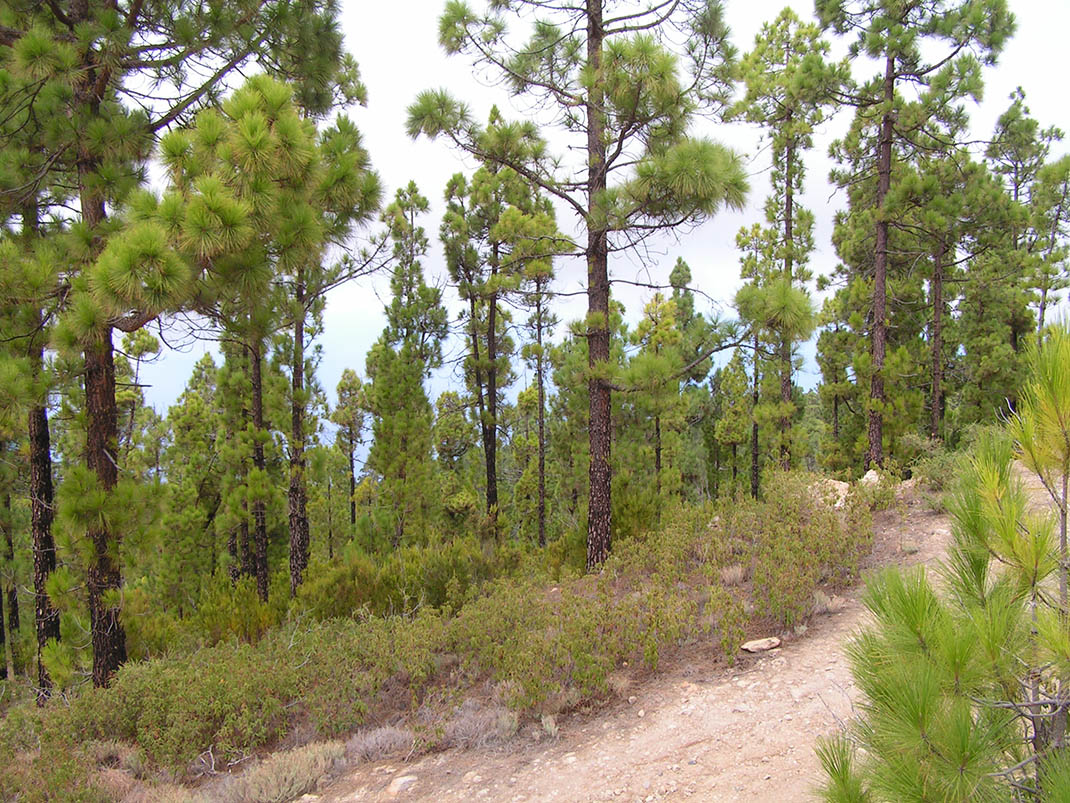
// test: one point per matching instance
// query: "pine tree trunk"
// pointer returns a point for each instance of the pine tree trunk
(248, 562)
(875, 427)
(785, 342)
(42, 544)
(46, 618)
(330, 522)
(490, 427)
(259, 510)
(232, 549)
(9, 554)
(754, 425)
(6, 671)
(599, 473)
(352, 478)
(298, 493)
(539, 379)
(936, 402)
(104, 576)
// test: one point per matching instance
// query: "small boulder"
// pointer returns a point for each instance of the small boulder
(871, 477)
(399, 785)
(761, 645)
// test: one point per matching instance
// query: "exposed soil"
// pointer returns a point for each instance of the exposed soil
(695, 729)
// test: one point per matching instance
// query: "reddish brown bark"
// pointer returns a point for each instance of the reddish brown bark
(104, 577)
(298, 493)
(599, 473)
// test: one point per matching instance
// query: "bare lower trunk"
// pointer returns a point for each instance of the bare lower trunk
(600, 474)
(104, 577)
(490, 426)
(352, 480)
(330, 523)
(754, 426)
(785, 342)
(298, 493)
(9, 553)
(539, 369)
(46, 617)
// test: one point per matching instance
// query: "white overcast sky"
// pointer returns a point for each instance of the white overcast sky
(396, 45)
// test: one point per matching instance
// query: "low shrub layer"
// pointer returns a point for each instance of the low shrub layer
(539, 644)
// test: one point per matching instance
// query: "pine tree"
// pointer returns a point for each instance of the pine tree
(790, 88)
(404, 356)
(897, 34)
(348, 415)
(91, 65)
(618, 91)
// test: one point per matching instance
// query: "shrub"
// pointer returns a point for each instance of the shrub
(372, 744)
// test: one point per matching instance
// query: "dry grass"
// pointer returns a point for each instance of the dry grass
(375, 743)
(476, 725)
(278, 778)
(733, 575)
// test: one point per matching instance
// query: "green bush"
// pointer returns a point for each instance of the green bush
(547, 646)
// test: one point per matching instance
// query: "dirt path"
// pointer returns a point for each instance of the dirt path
(745, 733)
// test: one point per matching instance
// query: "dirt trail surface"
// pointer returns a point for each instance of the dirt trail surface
(692, 730)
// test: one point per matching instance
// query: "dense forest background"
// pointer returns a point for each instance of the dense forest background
(175, 172)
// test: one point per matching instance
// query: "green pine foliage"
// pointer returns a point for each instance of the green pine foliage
(963, 689)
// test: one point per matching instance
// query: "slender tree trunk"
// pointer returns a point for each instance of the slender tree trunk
(9, 554)
(657, 455)
(735, 469)
(46, 617)
(875, 428)
(936, 402)
(260, 464)
(599, 474)
(42, 545)
(754, 425)
(234, 570)
(298, 492)
(104, 577)
(352, 478)
(330, 522)
(490, 425)
(248, 561)
(785, 341)
(7, 670)
(539, 379)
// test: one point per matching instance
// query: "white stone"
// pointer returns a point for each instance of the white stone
(761, 644)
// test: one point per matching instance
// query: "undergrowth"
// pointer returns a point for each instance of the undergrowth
(545, 646)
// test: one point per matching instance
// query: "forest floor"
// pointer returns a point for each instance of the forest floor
(694, 729)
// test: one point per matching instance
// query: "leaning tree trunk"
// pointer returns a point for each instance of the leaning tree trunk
(875, 424)
(599, 472)
(260, 464)
(298, 493)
